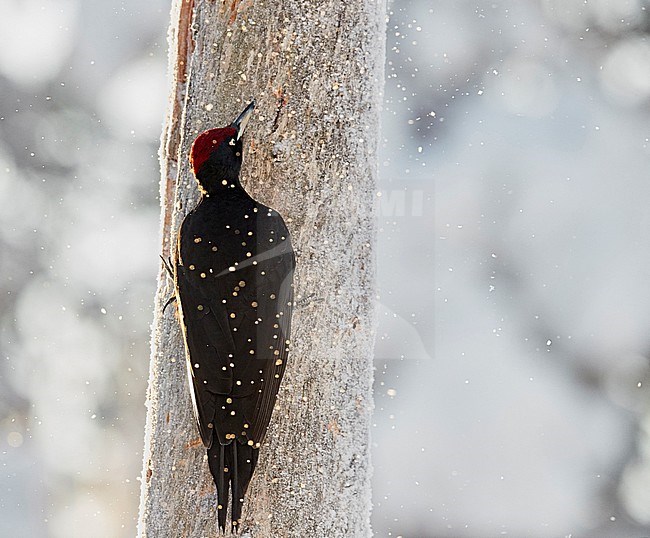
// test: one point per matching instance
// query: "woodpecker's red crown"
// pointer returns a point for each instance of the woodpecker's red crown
(206, 143)
(209, 141)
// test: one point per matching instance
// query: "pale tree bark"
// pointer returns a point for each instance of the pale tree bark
(316, 72)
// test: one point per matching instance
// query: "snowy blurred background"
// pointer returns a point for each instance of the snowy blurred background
(512, 356)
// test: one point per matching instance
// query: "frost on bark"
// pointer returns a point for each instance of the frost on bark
(316, 72)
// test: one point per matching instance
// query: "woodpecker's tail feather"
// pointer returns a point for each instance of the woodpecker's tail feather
(232, 468)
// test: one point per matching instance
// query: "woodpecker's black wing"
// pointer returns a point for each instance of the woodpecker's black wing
(234, 283)
(208, 346)
(269, 321)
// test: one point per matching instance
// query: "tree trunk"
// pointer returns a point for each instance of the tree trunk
(316, 71)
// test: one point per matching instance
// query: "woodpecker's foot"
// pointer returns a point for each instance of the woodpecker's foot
(168, 266)
(169, 301)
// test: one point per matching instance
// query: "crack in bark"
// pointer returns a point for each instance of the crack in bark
(282, 102)
(172, 141)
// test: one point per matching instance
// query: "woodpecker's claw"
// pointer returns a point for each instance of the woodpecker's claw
(168, 266)
(169, 301)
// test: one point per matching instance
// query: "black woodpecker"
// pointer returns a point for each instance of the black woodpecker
(233, 274)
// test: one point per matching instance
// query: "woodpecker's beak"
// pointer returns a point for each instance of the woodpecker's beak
(242, 120)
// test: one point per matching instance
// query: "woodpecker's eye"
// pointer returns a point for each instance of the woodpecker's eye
(232, 142)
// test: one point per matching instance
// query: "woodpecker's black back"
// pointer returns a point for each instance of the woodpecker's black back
(233, 274)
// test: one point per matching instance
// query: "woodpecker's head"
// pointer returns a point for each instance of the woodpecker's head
(216, 154)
